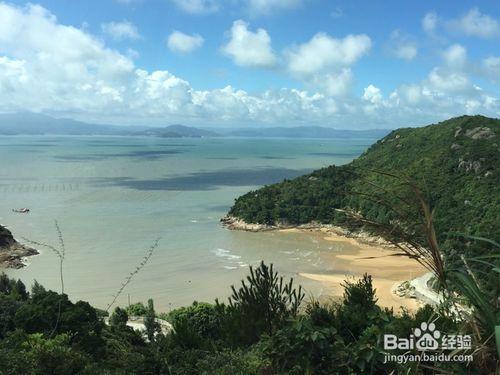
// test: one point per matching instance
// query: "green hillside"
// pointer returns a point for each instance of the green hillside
(455, 163)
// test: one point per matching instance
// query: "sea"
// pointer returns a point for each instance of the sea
(114, 197)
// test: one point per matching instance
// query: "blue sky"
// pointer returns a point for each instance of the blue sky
(360, 64)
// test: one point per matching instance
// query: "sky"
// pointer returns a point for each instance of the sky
(251, 63)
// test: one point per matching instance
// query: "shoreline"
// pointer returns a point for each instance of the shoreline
(359, 238)
(16, 256)
(389, 268)
(12, 253)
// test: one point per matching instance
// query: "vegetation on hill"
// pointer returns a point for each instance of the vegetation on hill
(455, 164)
(432, 191)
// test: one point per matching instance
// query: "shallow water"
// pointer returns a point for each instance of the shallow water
(113, 196)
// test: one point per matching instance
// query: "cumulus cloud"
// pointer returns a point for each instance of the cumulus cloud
(247, 48)
(325, 62)
(429, 22)
(455, 56)
(197, 6)
(475, 23)
(61, 70)
(406, 51)
(179, 42)
(333, 84)
(121, 30)
(403, 46)
(324, 52)
(372, 94)
(491, 68)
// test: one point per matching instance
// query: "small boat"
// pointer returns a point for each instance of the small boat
(21, 210)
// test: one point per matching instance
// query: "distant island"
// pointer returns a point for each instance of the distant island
(39, 124)
(178, 131)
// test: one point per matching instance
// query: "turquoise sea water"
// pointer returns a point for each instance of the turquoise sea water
(112, 196)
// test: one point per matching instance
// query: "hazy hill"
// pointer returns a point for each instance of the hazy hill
(305, 132)
(179, 131)
(37, 124)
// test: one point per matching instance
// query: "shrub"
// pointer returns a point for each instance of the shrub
(261, 306)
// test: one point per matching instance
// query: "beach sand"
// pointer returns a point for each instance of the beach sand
(387, 267)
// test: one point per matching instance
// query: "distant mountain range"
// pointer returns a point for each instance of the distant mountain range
(305, 132)
(38, 124)
(178, 131)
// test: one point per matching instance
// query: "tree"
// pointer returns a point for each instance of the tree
(152, 326)
(262, 305)
(119, 318)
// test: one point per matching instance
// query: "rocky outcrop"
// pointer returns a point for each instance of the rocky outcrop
(480, 133)
(12, 253)
(234, 223)
(469, 165)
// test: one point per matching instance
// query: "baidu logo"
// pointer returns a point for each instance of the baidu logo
(427, 338)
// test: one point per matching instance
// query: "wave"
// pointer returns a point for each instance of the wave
(223, 253)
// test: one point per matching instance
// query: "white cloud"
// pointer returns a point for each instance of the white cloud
(455, 56)
(65, 71)
(247, 48)
(266, 7)
(372, 94)
(121, 30)
(51, 66)
(333, 84)
(179, 42)
(197, 6)
(449, 82)
(324, 53)
(491, 68)
(406, 52)
(403, 46)
(429, 22)
(475, 23)
(324, 63)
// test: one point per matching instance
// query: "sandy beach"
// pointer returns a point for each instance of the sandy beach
(387, 267)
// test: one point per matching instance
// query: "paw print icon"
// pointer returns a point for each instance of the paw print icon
(427, 336)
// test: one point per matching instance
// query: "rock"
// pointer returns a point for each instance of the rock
(469, 165)
(458, 132)
(480, 133)
(238, 224)
(455, 146)
(405, 289)
(12, 253)
(6, 238)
